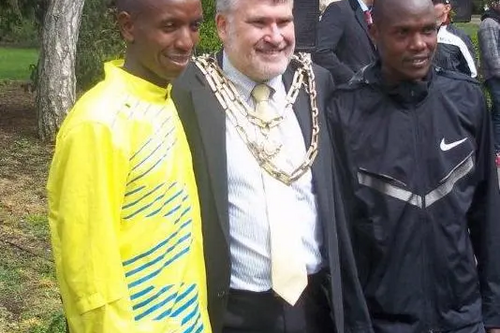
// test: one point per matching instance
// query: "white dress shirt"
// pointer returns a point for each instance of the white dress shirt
(363, 5)
(253, 195)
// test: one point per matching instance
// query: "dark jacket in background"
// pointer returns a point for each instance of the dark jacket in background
(343, 43)
(455, 51)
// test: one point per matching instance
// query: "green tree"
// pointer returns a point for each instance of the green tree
(209, 41)
(18, 21)
(99, 41)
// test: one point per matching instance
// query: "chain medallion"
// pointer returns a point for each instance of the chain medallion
(257, 133)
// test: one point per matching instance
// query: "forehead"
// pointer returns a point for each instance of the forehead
(263, 8)
(408, 15)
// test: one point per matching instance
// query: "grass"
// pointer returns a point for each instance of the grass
(15, 63)
(469, 28)
(29, 297)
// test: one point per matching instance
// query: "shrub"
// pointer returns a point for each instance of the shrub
(209, 41)
(18, 24)
(478, 6)
(98, 42)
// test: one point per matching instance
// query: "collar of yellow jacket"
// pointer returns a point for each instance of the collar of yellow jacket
(135, 85)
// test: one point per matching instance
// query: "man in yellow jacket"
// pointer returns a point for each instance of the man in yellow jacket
(123, 203)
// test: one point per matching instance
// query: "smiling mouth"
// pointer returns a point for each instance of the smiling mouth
(418, 62)
(271, 51)
(180, 60)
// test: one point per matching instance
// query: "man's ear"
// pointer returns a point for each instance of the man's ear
(221, 24)
(126, 26)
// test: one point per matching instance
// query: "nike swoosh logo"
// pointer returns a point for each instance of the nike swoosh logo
(447, 146)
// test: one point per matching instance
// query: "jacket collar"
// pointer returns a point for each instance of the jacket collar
(405, 92)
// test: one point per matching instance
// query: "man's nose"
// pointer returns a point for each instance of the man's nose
(273, 34)
(418, 42)
(185, 39)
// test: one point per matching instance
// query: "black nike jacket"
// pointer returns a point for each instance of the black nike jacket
(423, 200)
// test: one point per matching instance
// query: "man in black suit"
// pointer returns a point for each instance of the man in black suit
(343, 43)
(277, 251)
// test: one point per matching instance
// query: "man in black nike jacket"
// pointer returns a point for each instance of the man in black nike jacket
(422, 188)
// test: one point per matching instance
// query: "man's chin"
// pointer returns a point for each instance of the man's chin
(266, 71)
(415, 74)
(420, 75)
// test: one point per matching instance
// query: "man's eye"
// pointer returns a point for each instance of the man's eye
(402, 32)
(258, 24)
(196, 26)
(429, 30)
(284, 23)
(168, 27)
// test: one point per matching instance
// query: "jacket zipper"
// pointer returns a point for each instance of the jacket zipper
(428, 304)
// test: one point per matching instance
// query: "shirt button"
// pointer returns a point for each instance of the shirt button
(221, 293)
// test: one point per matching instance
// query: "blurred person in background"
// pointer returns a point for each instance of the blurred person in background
(343, 41)
(489, 48)
(455, 51)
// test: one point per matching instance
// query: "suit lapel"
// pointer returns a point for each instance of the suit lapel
(360, 17)
(323, 182)
(212, 128)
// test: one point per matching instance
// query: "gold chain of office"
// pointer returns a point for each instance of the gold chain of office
(231, 101)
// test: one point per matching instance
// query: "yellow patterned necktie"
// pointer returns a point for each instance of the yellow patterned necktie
(289, 275)
(263, 110)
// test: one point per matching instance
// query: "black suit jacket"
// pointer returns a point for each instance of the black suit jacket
(204, 122)
(343, 43)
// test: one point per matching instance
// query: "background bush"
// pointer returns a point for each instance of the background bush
(209, 41)
(478, 6)
(98, 41)
(19, 22)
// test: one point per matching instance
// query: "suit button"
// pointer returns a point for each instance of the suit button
(221, 294)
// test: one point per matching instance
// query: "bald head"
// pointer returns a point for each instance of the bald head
(386, 9)
(134, 7)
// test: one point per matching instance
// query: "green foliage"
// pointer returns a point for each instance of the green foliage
(209, 41)
(98, 42)
(23, 33)
(478, 6)
(19, 21)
